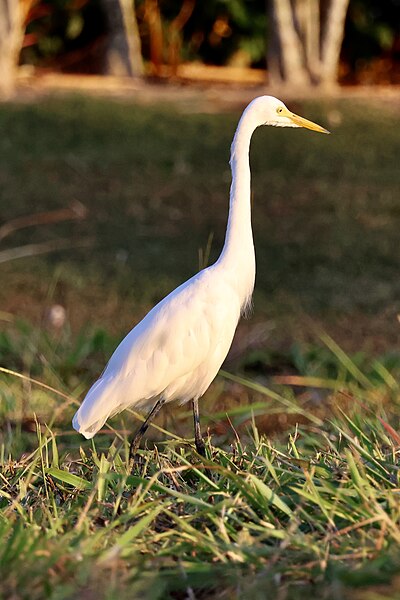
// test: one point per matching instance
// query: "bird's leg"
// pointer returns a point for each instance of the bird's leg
(143, 428)
(198, 438)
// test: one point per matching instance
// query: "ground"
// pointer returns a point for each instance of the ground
(123, 200)
(153, 182)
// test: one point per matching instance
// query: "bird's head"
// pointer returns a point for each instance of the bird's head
(271, 111)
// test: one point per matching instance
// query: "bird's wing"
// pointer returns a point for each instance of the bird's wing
(174, 338)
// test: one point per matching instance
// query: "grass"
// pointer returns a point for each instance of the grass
(155, 183)
(301, 495)
(313, 509)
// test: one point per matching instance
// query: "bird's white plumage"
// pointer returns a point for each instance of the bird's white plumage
(177, 349)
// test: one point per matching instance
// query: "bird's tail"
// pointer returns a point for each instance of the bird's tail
(97, 407)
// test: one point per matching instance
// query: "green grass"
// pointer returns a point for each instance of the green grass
(316, 511)
(313, 509)
(155, 182)
(302, 494)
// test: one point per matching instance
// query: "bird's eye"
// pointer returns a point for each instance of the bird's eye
(279, 110)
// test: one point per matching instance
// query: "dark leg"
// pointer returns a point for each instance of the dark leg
(198, 438)
(143, 428)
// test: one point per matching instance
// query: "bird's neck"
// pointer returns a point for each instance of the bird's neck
(238, 251)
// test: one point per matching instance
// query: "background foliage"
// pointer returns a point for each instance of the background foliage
(67, 34)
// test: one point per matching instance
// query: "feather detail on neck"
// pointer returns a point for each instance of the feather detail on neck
(238, 251)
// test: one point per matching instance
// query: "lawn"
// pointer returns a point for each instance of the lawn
(301, 495)
(312, 511)
(155, 183)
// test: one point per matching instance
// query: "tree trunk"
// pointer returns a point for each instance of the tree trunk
(123, 53)
(302, 52)
(152, 17)
(175, 34)
(288, 44)
(332, 39)
(307, 18)
(12, 17)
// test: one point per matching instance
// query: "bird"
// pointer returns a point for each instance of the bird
(177, 349)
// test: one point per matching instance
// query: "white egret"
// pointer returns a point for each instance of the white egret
(175, 352)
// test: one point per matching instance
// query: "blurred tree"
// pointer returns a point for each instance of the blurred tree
(165, 33)
(123, 53)
(225, 32)
(217, 32)
(304, 37)
(13, 15)
(153, 21)
(305, 41)
(371, 45)
(175, 34)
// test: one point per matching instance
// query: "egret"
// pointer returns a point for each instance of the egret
(176, 351)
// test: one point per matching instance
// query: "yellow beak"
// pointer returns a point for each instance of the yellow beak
(301, 122)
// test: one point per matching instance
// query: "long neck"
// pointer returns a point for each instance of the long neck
(238, 250)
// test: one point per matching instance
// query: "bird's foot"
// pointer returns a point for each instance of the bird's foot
(201, 447)
(136, 464)
(201, 450)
